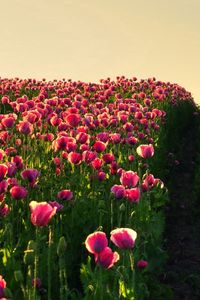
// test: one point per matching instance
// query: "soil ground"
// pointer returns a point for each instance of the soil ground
(182, 237)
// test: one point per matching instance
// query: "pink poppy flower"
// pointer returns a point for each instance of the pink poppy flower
(36, 282)
(41, 213)
(99, 146)
(114, 167)
(84, 147)
(18, 192)
(31, 175)
(3, 186)
(65, 195)
(123, 238)
(101, 175)
(25, 127)
(131, 157)
(131, 140)
(4, 210)
(8, 122)
(142, 264)
(75, 158)
(97, 163)
(60, 143)
(55, 121)
(18, 160)
(57, 205)
(82, 138)
(89, 156)
(133, 195)
(115, 138)
(108, 158)
(129, 179)
(2, 154)
(103, 136)
(2, 286)
(12, 169)
(119, 191)
(106, 258)
(145, 151)
(3, 171)
(149, 182)
(96, 242)
(73, 119)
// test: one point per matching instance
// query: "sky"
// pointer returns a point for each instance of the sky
(92, 39)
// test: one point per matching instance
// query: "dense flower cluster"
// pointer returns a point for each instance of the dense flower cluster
(67, 149)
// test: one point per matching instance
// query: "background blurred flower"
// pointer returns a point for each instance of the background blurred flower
(18, 192)
(141, 264)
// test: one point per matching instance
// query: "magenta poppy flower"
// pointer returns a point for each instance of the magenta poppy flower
(142, 264)
(25, 127)
(18, 160)
(55, 121)
(65, 195)
(96, 242)
(60, 143)
(31, 175)
(145, 151)
(133, 195)
(18, 192)
(2, 286)
(2, 154)
(115, 138)
(114, 167)
(119, 191)
(12, 169)
(89, 156)
(123, 238)
(106, 258)
(129, 179)
(108, 158)
(57, 205)
(82, 138)
(149, 182)
(73, 119)
(101, 175)
(97, 163)
(3, 171)
(36, 282)
(75, 158)
(8, 122)
(99, 146)
(103, 136)
(41, 213)
(131, 157)
(4, 210)
(3, 186)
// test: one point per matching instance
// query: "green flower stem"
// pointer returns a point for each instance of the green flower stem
(111, 213)
(49, 263)
(36, 260)
(28, 284)
(63, 279)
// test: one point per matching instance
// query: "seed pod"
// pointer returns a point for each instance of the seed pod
(29, 254)
(62, 246)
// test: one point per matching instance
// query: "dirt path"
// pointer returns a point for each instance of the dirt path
(183, 226)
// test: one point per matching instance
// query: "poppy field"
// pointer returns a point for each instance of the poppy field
(82, 185)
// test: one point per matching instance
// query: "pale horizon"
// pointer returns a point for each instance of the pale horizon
(89, 40)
